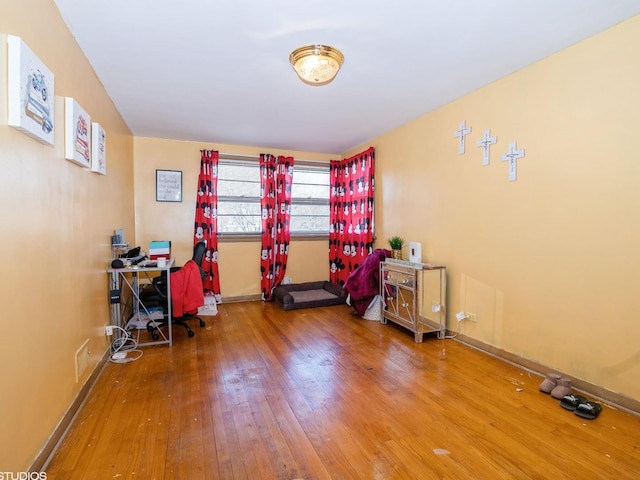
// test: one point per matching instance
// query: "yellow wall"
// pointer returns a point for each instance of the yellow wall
(57, 220)
(238, 262)
(548, 263)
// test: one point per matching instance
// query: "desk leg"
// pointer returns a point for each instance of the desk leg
(169, 308)
(116, 315)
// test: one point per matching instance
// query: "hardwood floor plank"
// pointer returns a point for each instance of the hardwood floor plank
(261, 393)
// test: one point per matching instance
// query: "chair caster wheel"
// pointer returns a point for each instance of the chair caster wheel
(190, 333)
(202, 324)
(154, 335)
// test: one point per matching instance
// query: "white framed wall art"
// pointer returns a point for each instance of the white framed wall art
(168, 185)
(77, 133)
(98, 149)
(30, 92)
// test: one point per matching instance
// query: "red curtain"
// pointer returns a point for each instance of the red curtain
(206, 219)
(351, 216)
(276, 177)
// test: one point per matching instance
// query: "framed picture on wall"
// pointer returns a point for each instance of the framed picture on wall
(98, 149)
(77, 133)
(168, 186)
(31, 92)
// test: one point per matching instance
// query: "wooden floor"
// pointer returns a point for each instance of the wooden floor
(260, 393)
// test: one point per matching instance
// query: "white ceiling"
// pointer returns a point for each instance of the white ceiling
(217, 71)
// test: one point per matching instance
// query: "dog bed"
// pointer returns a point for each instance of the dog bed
(308, 295)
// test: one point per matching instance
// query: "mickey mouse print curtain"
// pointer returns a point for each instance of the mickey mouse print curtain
(276, 178)
(351, 215)
(206, 219)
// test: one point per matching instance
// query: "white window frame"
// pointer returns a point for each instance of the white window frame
(255, 235)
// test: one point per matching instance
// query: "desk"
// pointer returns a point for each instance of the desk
(129, 277)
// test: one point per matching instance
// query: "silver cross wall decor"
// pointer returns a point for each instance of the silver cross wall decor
(460, 134)
(512, 157)
(485, 143)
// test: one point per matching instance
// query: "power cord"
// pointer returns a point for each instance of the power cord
(454, 334)
(122, 346)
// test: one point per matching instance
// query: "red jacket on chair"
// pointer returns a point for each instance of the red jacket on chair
(186, 290)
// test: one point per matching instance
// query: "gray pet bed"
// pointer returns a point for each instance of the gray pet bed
(309, 294)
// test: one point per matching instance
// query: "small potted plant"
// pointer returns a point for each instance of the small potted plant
(396, 244)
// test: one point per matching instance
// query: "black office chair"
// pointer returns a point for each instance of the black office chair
(160, 288)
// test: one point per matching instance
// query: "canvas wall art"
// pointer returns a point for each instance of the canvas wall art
(77, 133)
(30, 92)
(99, 149)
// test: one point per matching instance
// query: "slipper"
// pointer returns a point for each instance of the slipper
(571, 402)
(549, 383)
(563, 388)
(588, 410)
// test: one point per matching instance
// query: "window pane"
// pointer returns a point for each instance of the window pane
(309, 218)
(239, 217)
(310, 200)
(309, 224)
(310, 184)
(239, 180)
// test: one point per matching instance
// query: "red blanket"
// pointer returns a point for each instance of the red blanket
(363, 283)
(186, 290)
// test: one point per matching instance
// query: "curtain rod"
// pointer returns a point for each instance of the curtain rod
(236, 156)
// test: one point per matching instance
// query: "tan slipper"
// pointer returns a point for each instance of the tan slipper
(549, 383)
(563, 388)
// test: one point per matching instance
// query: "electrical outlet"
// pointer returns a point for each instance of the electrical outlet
(108, 330)
(472, 317)
(435, 307)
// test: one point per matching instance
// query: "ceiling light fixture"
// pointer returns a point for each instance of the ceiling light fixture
(316, 64)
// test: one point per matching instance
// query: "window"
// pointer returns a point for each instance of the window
(239, 198)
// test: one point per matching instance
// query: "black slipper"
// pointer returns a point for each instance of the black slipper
(571, 402)
(588, 410)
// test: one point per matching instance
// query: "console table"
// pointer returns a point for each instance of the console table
(414, 296)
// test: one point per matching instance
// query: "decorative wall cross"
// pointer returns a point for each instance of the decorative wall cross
(512, 157)
(460, 134)
(485, 143)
